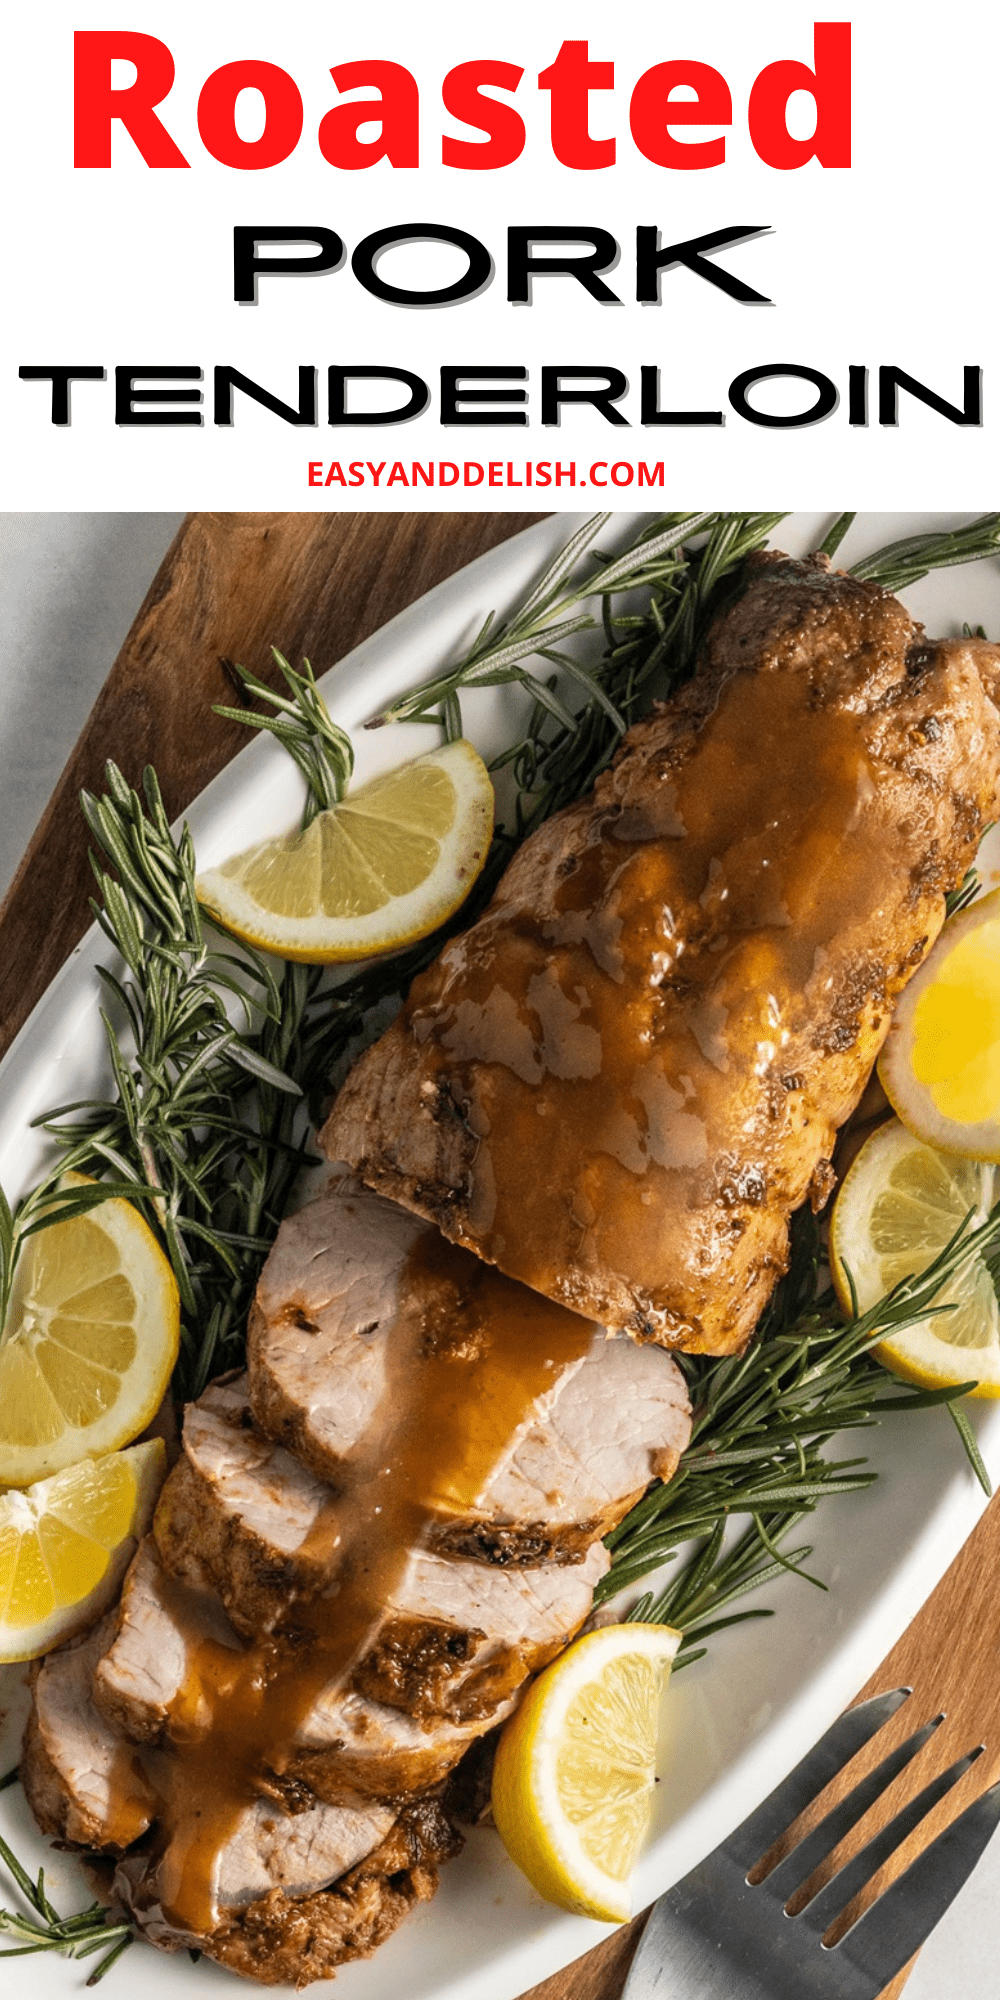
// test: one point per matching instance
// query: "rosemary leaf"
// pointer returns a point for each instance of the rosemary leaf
(835, 535)
(968, 1437)
(112, 1958)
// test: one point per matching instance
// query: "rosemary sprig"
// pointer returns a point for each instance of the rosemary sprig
(303, 726)
(79, 1936)
(648, 651)
(717, 1576)
(761, 1422)
(203, 1130)
(655, 562)
(905, 562)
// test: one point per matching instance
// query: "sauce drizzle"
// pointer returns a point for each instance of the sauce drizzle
(471, 1355)
(621, 1015)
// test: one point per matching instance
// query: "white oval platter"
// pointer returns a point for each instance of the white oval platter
(733, 1723)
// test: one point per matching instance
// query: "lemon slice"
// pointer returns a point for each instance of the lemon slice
(66, 1542)
(384, 867)
(940, 1067)
(90, 1341)
(899, 1206)
(574, 1771)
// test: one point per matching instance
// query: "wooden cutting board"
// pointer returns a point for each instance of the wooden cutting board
(315, 585)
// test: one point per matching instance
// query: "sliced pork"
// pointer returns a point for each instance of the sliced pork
(281, 1917)
(255, 1513)
(457, 1643)
(355, 1298)
(152, 1674)
(297, 1664)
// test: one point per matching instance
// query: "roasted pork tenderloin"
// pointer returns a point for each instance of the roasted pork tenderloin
(622, 1079)
(614, 1088)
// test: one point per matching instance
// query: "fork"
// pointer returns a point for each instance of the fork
(718, 1933)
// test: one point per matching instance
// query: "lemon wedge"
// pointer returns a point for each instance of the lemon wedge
(66, 1542)
(382, 868)
(89, 1344)
(900, 1204)
(940, 1067)
(574, 1771)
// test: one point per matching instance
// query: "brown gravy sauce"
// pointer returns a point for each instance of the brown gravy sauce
(627, 1033)
(471, 1355)
(131, 1796)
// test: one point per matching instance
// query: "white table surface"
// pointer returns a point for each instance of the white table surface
(70, 585)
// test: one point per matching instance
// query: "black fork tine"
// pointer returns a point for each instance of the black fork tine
(797, 1866)
(835, 1895)
(842, 1741)
(888, 1934)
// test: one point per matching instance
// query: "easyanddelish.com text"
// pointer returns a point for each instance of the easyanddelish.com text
(489, 472)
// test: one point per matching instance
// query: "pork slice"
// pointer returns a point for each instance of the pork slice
(84, 1783)
(459, 1637)
(622, 1079)
(327, 1294)
(347, 1746)
(149, 1665)
(266, 1849)
(604, 1422)
(282, 1939)
(456, 1638)
(255, 1514)
(245, 1505)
